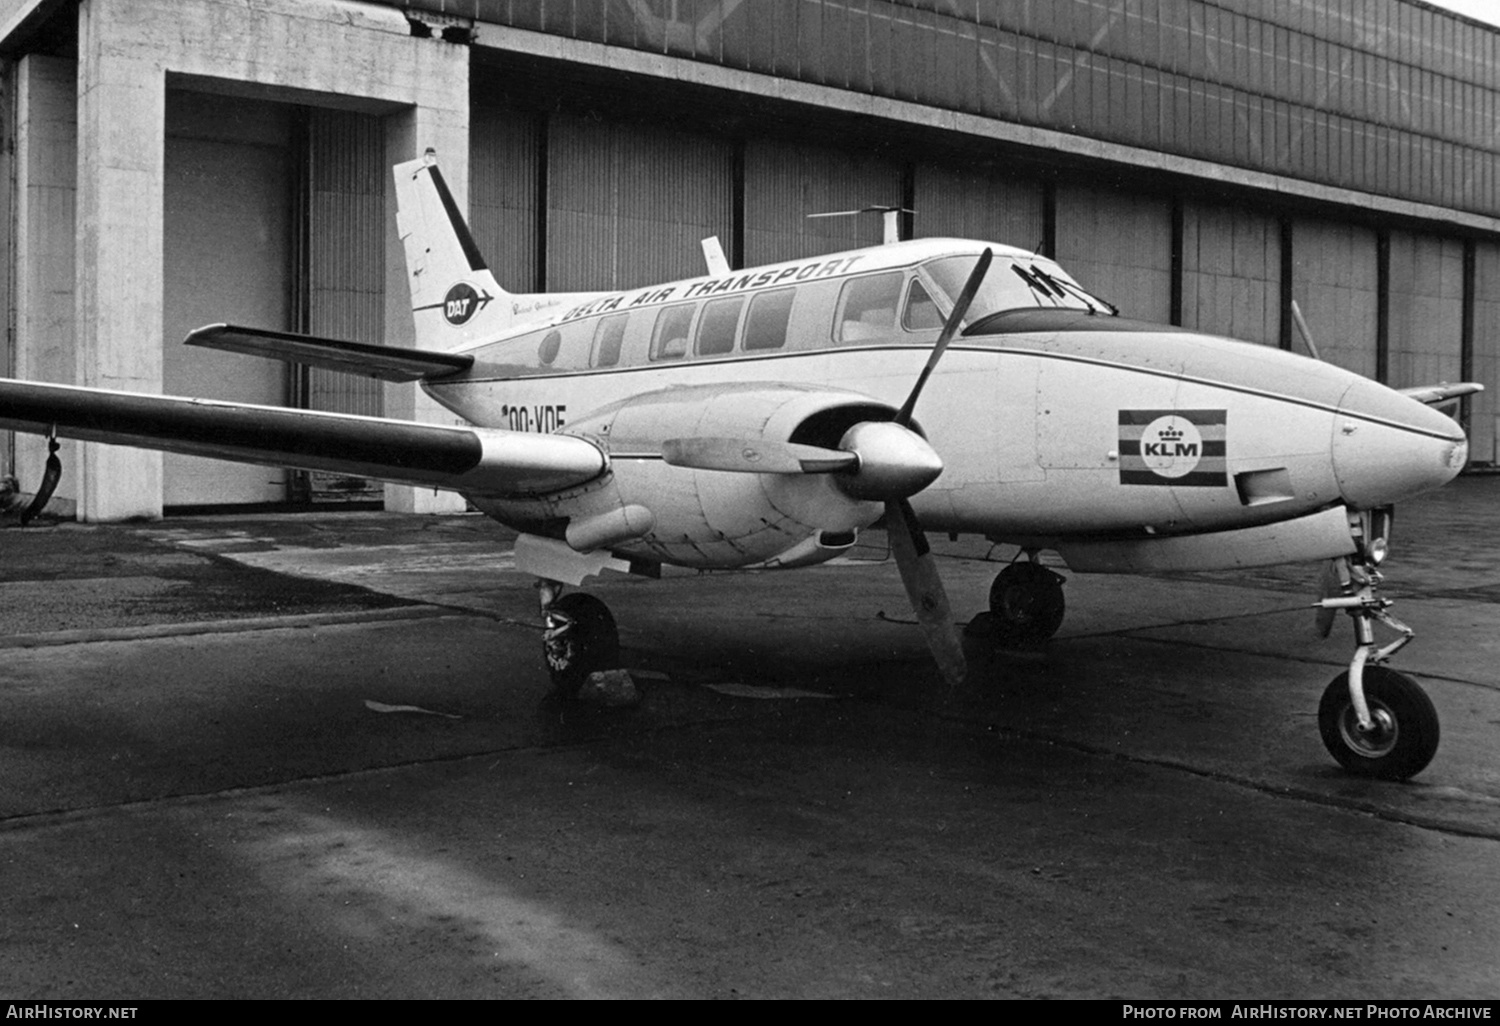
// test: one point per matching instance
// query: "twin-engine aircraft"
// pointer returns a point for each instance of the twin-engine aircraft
(763, 418)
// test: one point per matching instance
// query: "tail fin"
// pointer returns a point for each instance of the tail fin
(454, 297)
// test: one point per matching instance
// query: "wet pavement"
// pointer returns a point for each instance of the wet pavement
(314, 756)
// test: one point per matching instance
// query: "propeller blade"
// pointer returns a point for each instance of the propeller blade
(924, 588)
(754, 456)
(950, 328)
(1301, 322)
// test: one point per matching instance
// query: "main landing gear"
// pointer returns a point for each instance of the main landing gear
(1026, 605)
(580, 637)
(1375, 722)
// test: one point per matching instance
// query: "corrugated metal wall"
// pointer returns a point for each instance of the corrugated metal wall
(1484, 418)
(1336, 283)
(1231, 272)
(1426, 303)
(969, 204)
(346, 249)
(786, 181)
(1388, 96)
(627, 204)
(344, 269)
(1119, 246)
(505, 189)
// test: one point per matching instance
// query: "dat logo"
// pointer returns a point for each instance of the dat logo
(1171, 446)
(460, 303)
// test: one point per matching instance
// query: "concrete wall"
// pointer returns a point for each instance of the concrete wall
(315, 52)
(46, 159)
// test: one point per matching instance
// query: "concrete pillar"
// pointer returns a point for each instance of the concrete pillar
(45, 183)
(121, 128)
(409, 134)
(315, 52)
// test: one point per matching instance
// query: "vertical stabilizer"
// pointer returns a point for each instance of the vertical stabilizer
(454, 297)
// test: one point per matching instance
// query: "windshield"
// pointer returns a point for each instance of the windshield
(1014, 282)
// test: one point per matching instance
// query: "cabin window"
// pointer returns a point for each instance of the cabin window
(716, 326)
(770, 312)
(669, 339)
(868, 310)
(608, 337)
(921, 312)
(547, 351)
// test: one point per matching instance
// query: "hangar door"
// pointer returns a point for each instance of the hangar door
(228, 251)
(274, 218)
(1336, 282)
(1119, 246)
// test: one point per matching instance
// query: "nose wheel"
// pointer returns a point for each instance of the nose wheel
(1374, 721)
(1402, 735)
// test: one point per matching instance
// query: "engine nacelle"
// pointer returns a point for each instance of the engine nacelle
(710, 517)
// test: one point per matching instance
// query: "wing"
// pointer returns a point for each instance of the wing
(480, 461)
(389, 363)
(1432, 395)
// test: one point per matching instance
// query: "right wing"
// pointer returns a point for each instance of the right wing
(474, 460)
(389, 363)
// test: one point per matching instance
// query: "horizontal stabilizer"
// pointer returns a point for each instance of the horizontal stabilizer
(1435, 394)
(389, 363)
(473, 460)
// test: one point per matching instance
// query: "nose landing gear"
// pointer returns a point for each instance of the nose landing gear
(1374, 721)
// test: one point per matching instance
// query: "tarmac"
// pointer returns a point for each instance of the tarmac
(314, 755)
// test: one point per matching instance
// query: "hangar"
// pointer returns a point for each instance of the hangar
(171, 163)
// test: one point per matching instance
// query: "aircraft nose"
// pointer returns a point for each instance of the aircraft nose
(1388, 447)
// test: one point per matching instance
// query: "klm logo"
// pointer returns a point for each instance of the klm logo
(1173, 447)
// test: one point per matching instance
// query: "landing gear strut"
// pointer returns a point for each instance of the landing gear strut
(1026, 602)
(1375, 722)
(580, 638)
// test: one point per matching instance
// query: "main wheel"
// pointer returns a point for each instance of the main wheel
(581, 638)
(1405, 735)
(1027, 600)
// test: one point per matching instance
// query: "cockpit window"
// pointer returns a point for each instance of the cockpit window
(921, 312)
(1014, 283)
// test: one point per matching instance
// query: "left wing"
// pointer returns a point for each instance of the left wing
(1433, 395)
(475, 460)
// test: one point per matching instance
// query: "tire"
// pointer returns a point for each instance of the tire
(1406, 734)
(581, 638)
(1027, 601)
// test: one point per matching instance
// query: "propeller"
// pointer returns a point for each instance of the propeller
(880, 461)
(919, 574)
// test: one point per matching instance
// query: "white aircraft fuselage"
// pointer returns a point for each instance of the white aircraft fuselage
(1059, 426)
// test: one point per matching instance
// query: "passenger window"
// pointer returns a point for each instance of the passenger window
(669, 339)
(607, 339)
(770, 312)
(716, 326)
(869, 307)
(921, 312)
(547, 351)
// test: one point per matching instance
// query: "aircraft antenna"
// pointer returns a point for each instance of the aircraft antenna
(890, 219)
